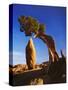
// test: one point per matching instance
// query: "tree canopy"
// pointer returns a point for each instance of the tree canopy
(30, 25)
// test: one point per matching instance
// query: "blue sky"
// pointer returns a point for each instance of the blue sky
(54, 19)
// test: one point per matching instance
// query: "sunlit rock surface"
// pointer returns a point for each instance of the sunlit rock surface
(30, 54)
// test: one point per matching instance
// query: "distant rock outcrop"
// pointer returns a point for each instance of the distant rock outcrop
(30, 54)
(17, 69)
(21, 68)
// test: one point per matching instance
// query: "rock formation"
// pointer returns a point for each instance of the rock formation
(29, 25)
(30, 55)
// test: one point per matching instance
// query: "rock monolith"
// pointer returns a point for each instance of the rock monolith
(30, 54)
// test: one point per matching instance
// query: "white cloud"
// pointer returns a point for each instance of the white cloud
(18, 58)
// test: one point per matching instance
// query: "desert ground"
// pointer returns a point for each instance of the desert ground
(42, 74)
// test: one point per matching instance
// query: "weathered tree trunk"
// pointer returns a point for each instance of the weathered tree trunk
(53, 56)
(30, 55)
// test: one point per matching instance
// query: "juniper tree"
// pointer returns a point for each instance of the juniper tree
(31, 26)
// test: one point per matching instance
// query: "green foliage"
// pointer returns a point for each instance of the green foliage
(30, 25)
(42, 28)
(35, 24)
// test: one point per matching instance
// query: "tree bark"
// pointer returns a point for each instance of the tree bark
(48, 40)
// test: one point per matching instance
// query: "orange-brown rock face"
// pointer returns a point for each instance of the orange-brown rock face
(30, 54)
